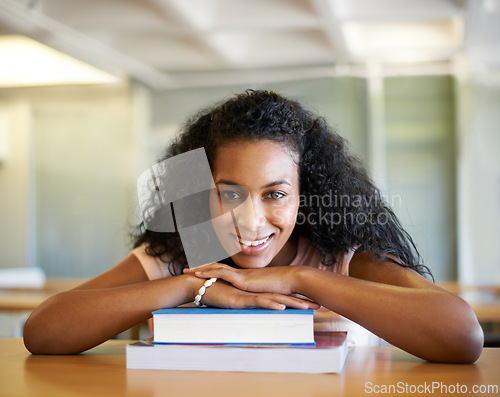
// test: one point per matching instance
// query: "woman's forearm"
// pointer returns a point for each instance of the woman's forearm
(76, 320)
(429, 323)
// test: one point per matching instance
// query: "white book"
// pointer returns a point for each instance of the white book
(327, 355)
(214, 325)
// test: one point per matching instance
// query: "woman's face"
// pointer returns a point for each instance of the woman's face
(258, 181)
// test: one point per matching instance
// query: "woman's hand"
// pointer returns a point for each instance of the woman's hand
(269, 280)
(223, 294)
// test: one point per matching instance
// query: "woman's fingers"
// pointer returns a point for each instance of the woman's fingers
(218, 271)
(253, 287)
(201, 267)
(265, 280)
(264, 303)
(223, 294)
(205, 271)
(276, 302)
(294, 302)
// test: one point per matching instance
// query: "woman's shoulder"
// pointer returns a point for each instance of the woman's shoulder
(154, 267)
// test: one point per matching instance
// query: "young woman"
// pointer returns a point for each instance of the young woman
(312, 230)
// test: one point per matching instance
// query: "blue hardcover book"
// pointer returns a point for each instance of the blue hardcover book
(207, 325)
(218, 310)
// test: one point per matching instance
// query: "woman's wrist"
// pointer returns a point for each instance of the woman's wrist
(306, 279)
(207, 284)
(193, 285)
(299, 273)
(179, 290)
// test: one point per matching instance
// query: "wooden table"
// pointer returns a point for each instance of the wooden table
(28, 299)
(102, 372)
(16, 304)
(24, 300)
(485, 301)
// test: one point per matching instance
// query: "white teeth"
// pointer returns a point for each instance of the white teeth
(255, 243)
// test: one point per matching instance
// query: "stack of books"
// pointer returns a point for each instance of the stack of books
(248, 340)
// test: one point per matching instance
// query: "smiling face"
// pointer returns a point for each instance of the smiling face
(259, 182)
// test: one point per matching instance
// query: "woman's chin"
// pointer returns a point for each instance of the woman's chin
(245, 262)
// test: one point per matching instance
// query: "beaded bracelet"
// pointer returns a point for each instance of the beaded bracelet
(201, 291)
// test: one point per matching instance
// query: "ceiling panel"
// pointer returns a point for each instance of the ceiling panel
(113, 15)
(207, 15)
(264, 48)
(157, 40)
(170, 53)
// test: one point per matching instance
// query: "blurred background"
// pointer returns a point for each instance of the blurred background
(92, 91)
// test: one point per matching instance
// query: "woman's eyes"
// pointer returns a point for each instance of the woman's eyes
(230, 195)
(276, 195)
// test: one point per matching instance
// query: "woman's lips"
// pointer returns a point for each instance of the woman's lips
(253, 243)
(254, 247)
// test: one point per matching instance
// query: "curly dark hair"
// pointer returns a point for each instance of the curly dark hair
(340, 207)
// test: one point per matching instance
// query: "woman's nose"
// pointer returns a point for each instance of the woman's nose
(250, 217)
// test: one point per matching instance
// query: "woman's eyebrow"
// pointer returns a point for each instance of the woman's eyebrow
(275, 183)
(280, 182)
(226, 182)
